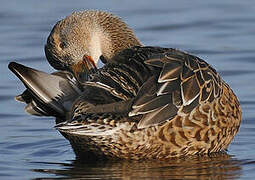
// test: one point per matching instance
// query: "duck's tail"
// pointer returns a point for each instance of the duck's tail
(46, 94)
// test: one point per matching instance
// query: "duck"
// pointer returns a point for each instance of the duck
(145, 102)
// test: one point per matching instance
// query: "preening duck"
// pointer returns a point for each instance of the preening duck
(145, 102)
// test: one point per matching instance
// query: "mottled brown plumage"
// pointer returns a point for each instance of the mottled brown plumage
(144, 103)
(161, 119)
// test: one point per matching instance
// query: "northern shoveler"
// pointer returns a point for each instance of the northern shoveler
(145, 102)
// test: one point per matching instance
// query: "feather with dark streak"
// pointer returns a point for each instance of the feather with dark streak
(55, 99)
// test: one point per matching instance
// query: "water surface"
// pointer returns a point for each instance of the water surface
(220, 32)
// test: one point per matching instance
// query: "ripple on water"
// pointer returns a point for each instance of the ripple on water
(235, 72)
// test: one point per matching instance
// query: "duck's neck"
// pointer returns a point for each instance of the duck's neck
(109, 35)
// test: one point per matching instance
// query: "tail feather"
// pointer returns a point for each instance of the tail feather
(46, 94)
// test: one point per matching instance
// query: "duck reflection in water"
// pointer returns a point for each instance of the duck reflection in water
(216, 166)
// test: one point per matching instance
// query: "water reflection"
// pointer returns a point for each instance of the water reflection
(218, 166)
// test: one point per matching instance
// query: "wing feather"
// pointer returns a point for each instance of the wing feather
(183, 83)
(161, 114)
(152, 105)
(170, 72)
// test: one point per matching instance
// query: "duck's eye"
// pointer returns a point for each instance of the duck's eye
(62, 45)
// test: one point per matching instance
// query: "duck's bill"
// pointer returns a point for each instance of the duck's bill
(46, 94)
(84, 68)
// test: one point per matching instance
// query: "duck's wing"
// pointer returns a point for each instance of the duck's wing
(46, 94)
(178, 83)
(184, 82)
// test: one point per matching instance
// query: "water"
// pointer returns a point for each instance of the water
(220, 32)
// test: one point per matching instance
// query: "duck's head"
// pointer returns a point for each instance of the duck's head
(83, 37)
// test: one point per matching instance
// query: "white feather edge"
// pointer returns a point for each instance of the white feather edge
(90, 130)
(185, 103)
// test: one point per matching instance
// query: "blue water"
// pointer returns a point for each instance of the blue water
(221, 32)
